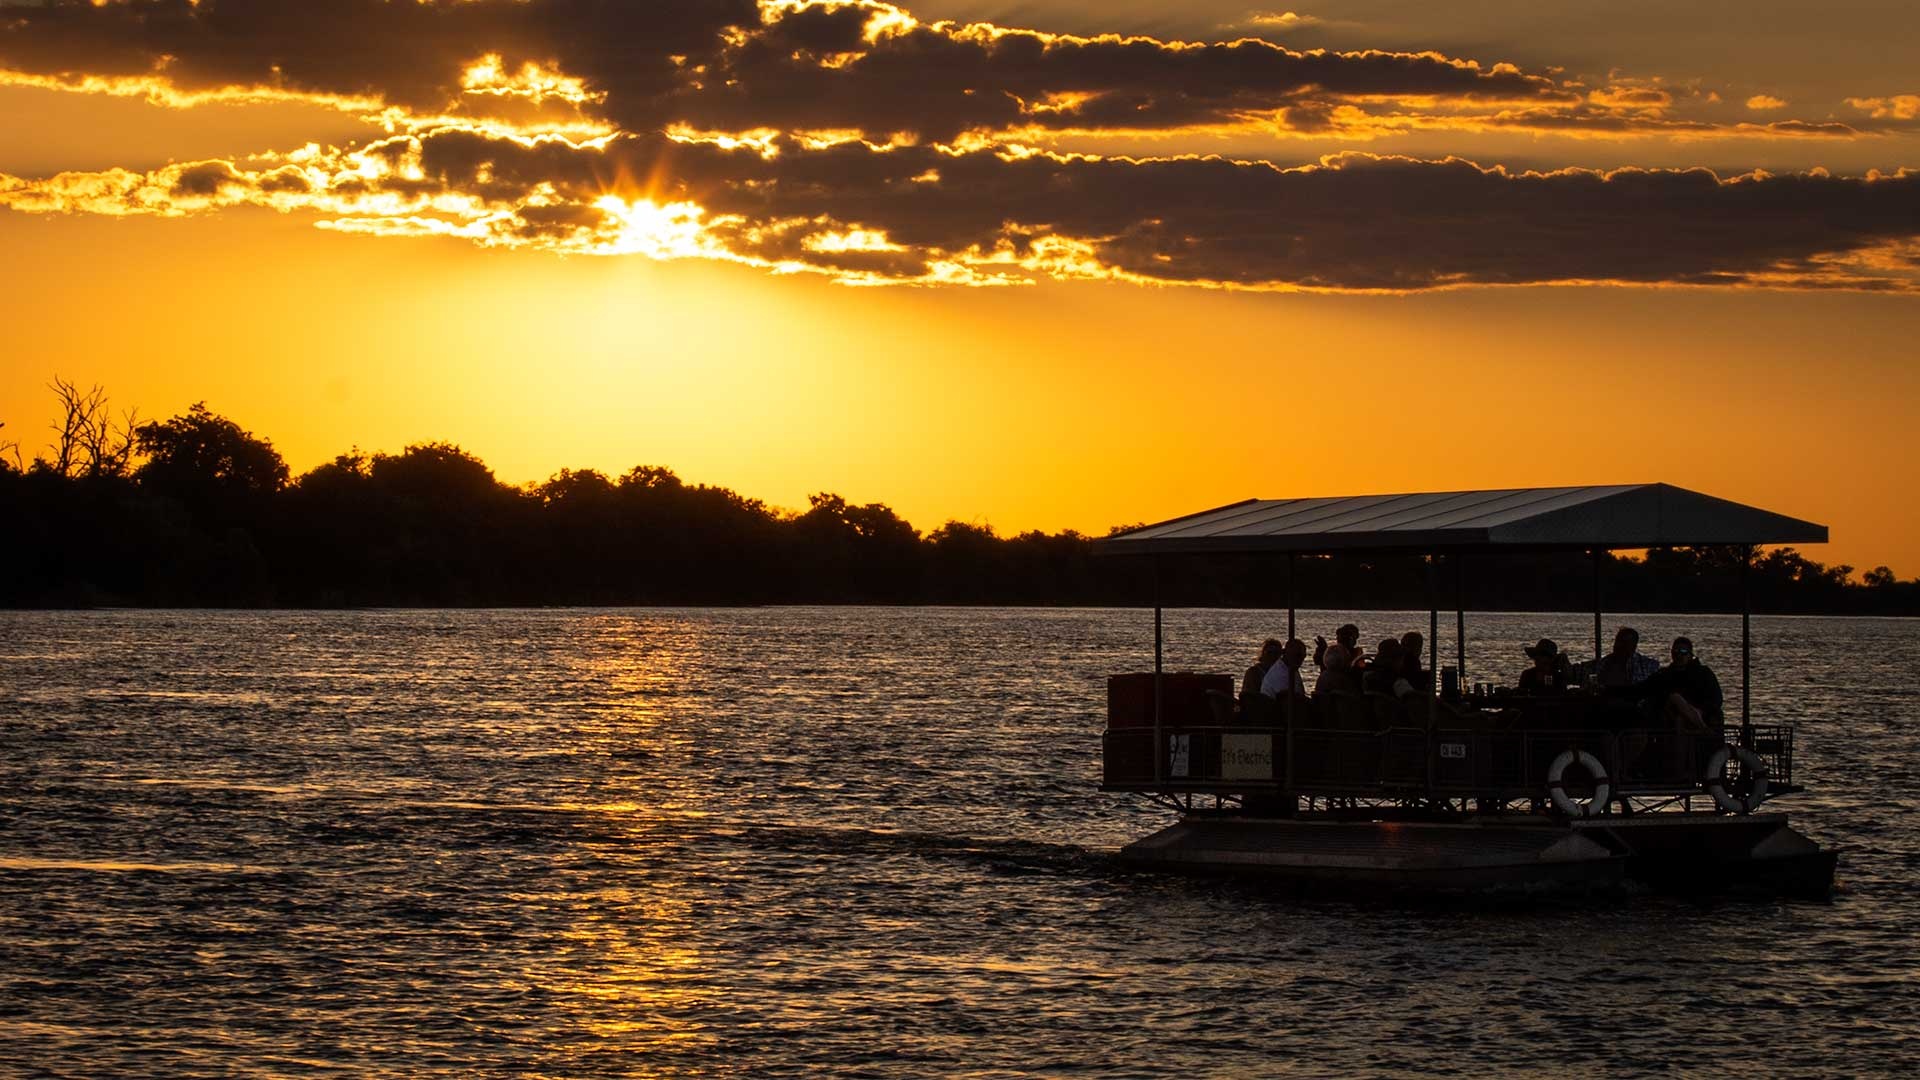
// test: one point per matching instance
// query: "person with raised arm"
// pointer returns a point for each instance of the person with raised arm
(1348, 638)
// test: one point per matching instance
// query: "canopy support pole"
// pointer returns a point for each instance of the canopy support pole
(1290, 632)
(1433, 663)
(1433, 622)
(1599, 560)
(1291, 803)
(1460, 618)
(1159, 689)
(1746, 645)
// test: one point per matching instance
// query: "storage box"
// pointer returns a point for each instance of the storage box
(1184, 704)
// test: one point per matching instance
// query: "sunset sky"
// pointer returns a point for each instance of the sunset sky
(1038, 264)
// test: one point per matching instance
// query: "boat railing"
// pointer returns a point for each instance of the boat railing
(1772, 744)
(1403, 760)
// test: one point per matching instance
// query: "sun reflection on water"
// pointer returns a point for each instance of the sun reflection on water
(811, 842)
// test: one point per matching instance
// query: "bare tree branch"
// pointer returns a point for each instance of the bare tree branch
(118, 460)
(66, 430)
(87, 442)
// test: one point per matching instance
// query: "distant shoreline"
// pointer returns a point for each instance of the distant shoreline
(785, 605)
(196, 513)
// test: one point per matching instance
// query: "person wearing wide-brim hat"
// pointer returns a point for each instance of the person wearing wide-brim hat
(1544, 675)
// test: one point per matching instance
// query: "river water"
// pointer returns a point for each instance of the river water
(835, 842)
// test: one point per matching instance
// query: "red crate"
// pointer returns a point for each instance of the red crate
(1184, 704)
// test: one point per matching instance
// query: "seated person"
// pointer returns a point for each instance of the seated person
(1250, 682)
(1385, 675)
(1412, 648)
(1348, 638)
(1686, 692)
(1283, 678)
(1336, 673)
(1545, 676)
(1624, 666)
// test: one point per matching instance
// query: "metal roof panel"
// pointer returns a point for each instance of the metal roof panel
(1610, 516)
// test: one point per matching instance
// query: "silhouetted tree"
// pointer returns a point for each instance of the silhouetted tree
(332, 536)
(455, 534)
(87, 440)
(864, 552)
(207, 461)
(583, 542)
(210, 517)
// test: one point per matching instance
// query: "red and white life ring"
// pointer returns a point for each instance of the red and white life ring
(1557, 789)
(1751, 765)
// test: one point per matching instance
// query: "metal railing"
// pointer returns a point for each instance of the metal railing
(1435, 762)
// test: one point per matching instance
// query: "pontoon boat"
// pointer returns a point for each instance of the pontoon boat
(1452, 788)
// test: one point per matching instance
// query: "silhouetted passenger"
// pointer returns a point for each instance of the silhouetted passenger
(1412, 648)
(1336, 673)
(1283, 678)
(1624, 666)
(1250, 682)
(1348, 638)
(1384, 676)
(1546, 675)
(1686, 692)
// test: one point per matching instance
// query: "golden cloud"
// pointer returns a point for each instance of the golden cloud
(849, 138)
(1897, 107)
(860, 66)
(865, 214)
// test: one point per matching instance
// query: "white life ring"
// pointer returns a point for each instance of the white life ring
(1750, 764)
(1566, 803)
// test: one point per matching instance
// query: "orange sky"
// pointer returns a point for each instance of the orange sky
(1059, 402)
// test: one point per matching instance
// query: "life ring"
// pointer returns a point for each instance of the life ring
(1751, 765)
(1566, 803)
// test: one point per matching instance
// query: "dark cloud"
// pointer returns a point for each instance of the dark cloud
(919, 213)
(667, 81)
(716, 64)
(814, 69)
(206, 179)
(1358, 222)
(409, 53)
(858, 65)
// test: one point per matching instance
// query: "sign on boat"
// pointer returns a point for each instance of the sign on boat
(1446, 787)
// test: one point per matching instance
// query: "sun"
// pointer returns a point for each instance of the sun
(674, 230)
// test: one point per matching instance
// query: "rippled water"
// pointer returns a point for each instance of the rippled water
(831, 842)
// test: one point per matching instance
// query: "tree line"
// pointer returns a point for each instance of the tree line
(196, 511)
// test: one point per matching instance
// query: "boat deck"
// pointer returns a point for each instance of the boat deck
(1527, 852)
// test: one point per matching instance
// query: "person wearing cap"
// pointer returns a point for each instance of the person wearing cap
(1686, 691)
(1544, 676)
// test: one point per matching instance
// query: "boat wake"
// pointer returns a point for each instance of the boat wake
(1006, 856)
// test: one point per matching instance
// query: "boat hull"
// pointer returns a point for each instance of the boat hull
(1692, 853)
(1720, 853)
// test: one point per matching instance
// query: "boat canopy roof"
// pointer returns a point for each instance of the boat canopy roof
(1611, 516)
